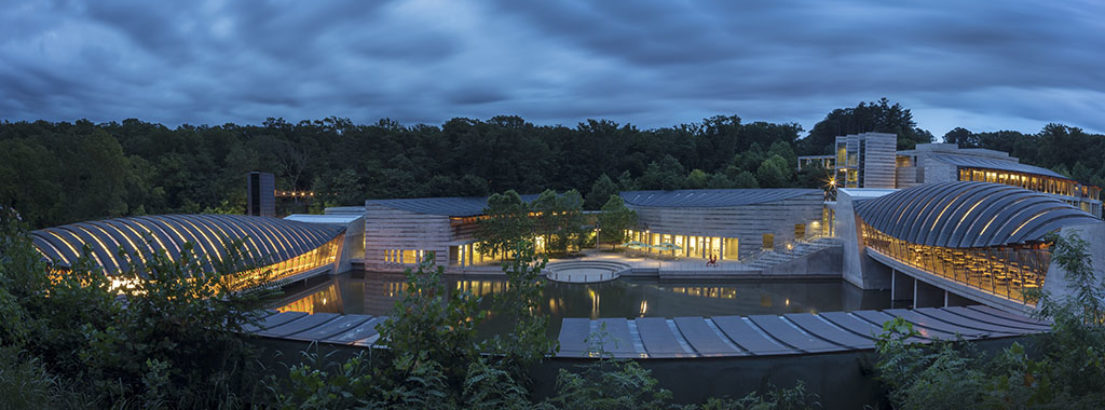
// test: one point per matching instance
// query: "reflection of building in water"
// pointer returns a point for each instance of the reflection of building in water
(595, 299)
(327, 299)
(381, 292)
(482, 287)
(707, 292)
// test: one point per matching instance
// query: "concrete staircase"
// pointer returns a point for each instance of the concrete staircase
(768, 259)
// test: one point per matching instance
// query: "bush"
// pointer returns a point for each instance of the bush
(170, 336)
(1065, 369)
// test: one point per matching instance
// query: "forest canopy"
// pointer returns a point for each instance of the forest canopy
(60, 172)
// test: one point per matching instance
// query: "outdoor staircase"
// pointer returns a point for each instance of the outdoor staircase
(768, 259)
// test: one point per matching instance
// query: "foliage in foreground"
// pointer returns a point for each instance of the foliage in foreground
(433, 360)
(1064, 369)
(170, 338)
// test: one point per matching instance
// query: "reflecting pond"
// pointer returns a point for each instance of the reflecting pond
(376, 294)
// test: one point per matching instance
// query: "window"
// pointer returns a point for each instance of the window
(769, 241)
(732, 249)
(409, 256)
(799, 231)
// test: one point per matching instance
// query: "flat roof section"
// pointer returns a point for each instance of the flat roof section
(971, 161)
(709, 198)
(335, 219)
(446, 206)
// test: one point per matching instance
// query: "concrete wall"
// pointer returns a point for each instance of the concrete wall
(1055, 283)
(353, 247)
(908, 177)
(746, 223)
(937, 171)
(880, 154)
(858, 268)
(389, 228)
(827, 262)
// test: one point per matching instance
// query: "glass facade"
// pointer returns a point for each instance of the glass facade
(321, 256)
(126, 244)
(690, 246)
(404, 256)
(1006, 271)
(1031, 182)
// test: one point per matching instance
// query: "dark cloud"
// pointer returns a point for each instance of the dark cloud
(982, 65)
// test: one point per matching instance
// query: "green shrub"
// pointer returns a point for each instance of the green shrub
(1064, 369)
(171, 338)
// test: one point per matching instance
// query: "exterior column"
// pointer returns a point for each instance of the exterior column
(925, 295)
(901, 286)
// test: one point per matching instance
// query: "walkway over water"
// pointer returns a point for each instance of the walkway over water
(690, 337)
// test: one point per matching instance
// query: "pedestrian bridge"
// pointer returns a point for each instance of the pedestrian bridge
(944, 242)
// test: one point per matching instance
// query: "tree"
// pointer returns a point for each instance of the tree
(600, 190)
(432, 324)
(666, 175)
(506, 223)
(962, 137)
(774, 172)
(572, 221)
(719, 181)
(783, 149)
(626, 182)
(614, 220)
(880, 116)
(546, 221)
(697, 179)
(559, 220)
(745, 180)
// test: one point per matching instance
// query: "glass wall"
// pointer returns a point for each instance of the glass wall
(470, 255)
(690, 246)
(315, 258)
(1006, 271)
(1032, 182)
(404, 256)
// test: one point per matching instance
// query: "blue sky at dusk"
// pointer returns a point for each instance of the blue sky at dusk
(981, 65)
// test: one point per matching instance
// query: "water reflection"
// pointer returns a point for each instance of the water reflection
(324, 298)
(376, 294)
(336, 294)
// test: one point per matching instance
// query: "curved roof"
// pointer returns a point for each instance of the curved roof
(713, 197)
(447, 206)
(991, 163)
(969, 214)
(265, 240)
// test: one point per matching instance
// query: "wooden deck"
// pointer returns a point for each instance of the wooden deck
(691, 337)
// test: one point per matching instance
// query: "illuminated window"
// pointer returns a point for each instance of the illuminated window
(769, 241)
(732, 249)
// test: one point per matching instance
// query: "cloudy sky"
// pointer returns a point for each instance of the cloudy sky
(977, 64)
